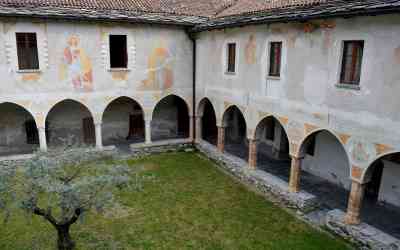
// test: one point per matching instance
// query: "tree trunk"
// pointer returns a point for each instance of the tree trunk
(64, 241)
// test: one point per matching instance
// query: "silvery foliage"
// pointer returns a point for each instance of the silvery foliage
(61, 182)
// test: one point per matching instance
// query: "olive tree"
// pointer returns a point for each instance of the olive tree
(61, 186)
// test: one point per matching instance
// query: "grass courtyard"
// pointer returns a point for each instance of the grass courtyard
(185, 203)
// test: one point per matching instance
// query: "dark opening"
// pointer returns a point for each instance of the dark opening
(118, 51)
(273, 148)
(270, 129)
(351, 62)
(231, 57)
(183, 119)
(209, 124)
(310, 149)
(372, 188)
(89, 134)
(32, 135)
(123, 123)
(235, 133)
(27, 51)
(170, 119)
(275, 55)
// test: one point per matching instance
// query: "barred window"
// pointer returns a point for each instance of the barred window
(351, 62)
(118, 51)
(231, 58)
(27, 51)
(275, 54)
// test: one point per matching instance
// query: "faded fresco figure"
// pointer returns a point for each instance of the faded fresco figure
(77, 66)
(160, 70)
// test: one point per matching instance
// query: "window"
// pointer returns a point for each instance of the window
(118, 51)
(27, 51)
(275, 54)
(351, 62)
(231, 58)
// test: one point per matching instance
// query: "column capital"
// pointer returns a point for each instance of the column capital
(297, 157)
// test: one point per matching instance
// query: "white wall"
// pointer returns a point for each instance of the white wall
(329, 161)
(390, 185)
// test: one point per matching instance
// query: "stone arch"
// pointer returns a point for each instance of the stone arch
(18, 129)
(188, 106)
(170, 118)
(207, 125)
(380, 204)
(323, 147)
(273, 145)
(70, 121)
(123, 121)
(92, 113)
(254, 135)
(235, 126)
(226, 108)
(365, 177)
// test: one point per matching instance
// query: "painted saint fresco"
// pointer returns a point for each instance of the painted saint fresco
(76, 66)
(160, 70)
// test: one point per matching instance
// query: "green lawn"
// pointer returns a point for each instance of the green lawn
(185, 203)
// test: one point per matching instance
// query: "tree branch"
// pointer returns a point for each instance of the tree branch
(46, 214)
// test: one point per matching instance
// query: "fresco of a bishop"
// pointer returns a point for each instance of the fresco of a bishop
(77, 66)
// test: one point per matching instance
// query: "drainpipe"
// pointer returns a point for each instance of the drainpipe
(192, 37)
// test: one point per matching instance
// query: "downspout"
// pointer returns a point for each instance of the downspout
(192, 37)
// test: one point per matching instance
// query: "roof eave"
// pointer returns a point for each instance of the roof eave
(236, 22)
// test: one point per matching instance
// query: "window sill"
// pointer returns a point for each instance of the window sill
(348, 86)
(27, 71)
(273, 77)
(118, 70)
(230, 73)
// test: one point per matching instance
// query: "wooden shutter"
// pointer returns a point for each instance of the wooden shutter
(351, 62)
(231, 57)
(275, 59)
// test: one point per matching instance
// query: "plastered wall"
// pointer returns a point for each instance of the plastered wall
(74, 64)
(306, 98)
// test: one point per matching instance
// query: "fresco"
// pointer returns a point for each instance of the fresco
(76, 66)
(361, 151)
(250, 52)
(160, 74)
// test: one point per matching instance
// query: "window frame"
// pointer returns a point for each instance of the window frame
(352, 83)
(270, 59)
(228, 58)
(20, 50)
(111, 67)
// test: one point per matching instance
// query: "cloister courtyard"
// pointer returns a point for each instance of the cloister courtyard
(184, 201)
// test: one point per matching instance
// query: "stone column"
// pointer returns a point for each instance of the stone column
(355, 203)
(252, 153)
(295, 173)
(42, 139)
(221, 139)
(191, 128)
(148, 131)
(199, 128)
(99, 139)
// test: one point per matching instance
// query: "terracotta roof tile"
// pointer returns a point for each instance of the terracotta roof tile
(203, 14)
